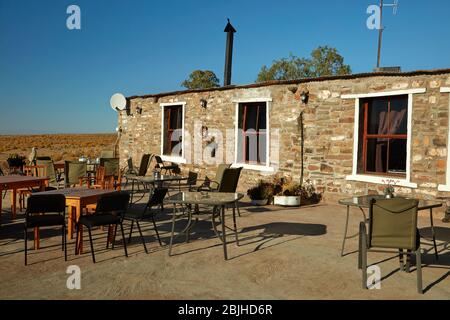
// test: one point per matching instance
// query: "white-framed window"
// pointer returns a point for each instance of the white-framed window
(382, 137)
(446, 186)
(172, 132)
(252, 134)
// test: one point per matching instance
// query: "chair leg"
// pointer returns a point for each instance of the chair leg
(239, 212)
(364, 261)
(400, 259)
(408, 261)
(123, 240)
(65, 242)
(419, 270)
(26, 244)
(142, 237)
(108, 237)
(156, 230)
(114, 237)
(77, 231)
(131, 231)
(92, 244)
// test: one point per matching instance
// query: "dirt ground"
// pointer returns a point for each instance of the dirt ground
(284, 253)
(57, 146)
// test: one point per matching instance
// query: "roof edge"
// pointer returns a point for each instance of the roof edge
(299, 81)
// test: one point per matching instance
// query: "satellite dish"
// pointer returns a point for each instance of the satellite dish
(118, 102)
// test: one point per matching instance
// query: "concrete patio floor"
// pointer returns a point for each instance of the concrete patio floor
(284, 253)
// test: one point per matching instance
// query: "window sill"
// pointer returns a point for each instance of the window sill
(174, 159)
(379, 180)
(444, 187)
(253, 167)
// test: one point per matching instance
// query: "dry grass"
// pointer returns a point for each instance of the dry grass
(57, 146)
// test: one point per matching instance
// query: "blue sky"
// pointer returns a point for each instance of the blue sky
(55, 80)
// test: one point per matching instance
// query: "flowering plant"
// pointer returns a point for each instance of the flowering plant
(390, 183)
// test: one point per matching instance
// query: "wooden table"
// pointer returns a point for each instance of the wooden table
(363, 202)
(76, 200)
(15, 182)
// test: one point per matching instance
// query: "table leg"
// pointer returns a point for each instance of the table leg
(224, 236)
(70, 222)
(345, 232)
(13, 203)
(80, 228)
(37, 242)
(173, 229)
(1, 200)
(433, 234)
(36, 239)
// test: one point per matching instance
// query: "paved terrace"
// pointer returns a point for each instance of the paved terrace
(285, 253)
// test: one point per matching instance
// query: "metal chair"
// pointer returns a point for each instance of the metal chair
(156, 199)
(107, 154)
(191, 182)
(109, 211)
(37, 215)
(141, 172)
(213, 185)
(112, 168)
(54, 178)
(74, 173)
(161, 165)
(392, 225)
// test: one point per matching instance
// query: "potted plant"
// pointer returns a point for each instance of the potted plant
(389, 189)
(290, 195)
(261, 194)
(309, 193)
(15, 162)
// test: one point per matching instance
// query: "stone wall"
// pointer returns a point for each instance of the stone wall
(328, 130)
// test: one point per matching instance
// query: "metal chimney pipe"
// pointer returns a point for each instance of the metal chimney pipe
(228, 53)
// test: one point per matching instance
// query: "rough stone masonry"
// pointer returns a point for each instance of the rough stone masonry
(328, 120)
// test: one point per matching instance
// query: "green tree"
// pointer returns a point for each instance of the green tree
(201, 79)
(324, 61)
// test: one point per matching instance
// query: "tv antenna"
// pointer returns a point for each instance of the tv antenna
(394, 7)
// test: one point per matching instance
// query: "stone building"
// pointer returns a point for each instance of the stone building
(348, 134)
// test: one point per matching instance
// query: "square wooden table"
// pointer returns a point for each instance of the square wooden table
(15, 182)
(76, 200)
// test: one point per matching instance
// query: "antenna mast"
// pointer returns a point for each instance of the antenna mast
(381, 28)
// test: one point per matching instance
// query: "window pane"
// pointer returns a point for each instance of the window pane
(172, 126)
(262, 148)
(397, 155)
(399, 115)
(241, 116)
(240, 146)
(176, 117)
(262, 122)
(360, 167)
(377, 117)
(250, 119)
(376, 155)
(251, 147)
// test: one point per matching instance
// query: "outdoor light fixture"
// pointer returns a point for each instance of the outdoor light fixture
(304, 96)
(203, 103)
(293, 89)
